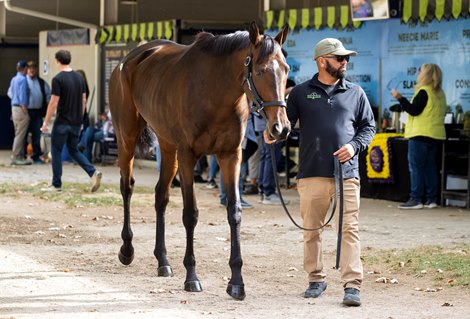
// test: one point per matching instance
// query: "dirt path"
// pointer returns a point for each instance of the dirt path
(59, 262)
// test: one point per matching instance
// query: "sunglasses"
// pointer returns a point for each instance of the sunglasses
(339, 58)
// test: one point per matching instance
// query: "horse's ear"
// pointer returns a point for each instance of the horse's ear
(254, 33)
(282, 35)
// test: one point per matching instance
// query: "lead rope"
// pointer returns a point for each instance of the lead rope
(338, 173)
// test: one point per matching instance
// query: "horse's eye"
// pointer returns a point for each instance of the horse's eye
(258, 72)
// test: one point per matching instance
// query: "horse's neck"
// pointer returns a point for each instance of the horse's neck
(231, 74)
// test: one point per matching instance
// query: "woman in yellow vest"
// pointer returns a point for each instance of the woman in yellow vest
(425, 131)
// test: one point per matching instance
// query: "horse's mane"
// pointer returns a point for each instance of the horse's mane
(221, 45)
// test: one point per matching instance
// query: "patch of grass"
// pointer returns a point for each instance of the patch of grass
(445, 266)
(73, 194)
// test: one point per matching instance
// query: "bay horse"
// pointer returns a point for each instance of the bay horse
(195, 98)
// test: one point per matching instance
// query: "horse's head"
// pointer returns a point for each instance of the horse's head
(265, 80)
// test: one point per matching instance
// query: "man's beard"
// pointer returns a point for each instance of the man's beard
(339, 73)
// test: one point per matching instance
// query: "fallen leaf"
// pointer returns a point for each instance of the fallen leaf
(424, 271)
(293, 269)
(183, 302)
(393, 281)
(157, 291)
(446, 304)
(382, 280)
(67, 270)
(401, 264)
(373, 272)
(440, 271)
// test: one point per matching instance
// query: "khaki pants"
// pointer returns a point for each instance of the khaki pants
(20, 122)
(316, 196)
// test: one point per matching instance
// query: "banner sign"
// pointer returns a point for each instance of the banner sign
(445, 43)
(389, 56)
(363, 69)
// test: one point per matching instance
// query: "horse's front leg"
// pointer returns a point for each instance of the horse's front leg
(230, 170)
(162, 196)
(190, 219)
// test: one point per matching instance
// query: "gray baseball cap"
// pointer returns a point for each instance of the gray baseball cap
(331, 46)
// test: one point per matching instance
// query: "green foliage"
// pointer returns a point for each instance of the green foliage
(73, 194)
(445, 266)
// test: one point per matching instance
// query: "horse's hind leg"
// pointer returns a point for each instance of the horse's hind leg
(186, 161)
(127, 135)
(162, 196)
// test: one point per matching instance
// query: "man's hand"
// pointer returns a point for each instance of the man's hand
(44, 127)
(345, 153)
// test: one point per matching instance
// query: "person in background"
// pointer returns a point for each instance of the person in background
(213, 170)
(103, 128)
(19, 95)
(251, 185)
(266, 181)
(336, 120)
(425, 131)
(86, 117)
(39, 96)
(68, 98)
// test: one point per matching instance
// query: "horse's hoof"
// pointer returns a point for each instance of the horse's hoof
(236, 291)
(165, 271)
(125, 260)
(192, 286)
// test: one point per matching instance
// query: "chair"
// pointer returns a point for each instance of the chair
(106, 149)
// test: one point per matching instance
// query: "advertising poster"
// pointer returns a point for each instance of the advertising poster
(445, 43)
(389, 56)
(363, 69)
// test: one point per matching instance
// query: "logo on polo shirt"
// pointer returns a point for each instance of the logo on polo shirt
(313, 96)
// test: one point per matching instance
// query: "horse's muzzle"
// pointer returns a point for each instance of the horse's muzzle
(279, 132)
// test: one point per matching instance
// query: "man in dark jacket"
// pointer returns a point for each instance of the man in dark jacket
(335, 120)
(39, 96)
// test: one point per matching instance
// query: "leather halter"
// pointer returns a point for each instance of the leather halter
(258, 103)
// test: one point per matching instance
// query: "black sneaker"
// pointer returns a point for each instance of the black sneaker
(352, 297)
(198, 179)
(411, 204)
(250, 190)
(315, 289)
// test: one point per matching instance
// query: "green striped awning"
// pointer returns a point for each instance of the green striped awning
(135, 32)
(337, 17)
(427, 10)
